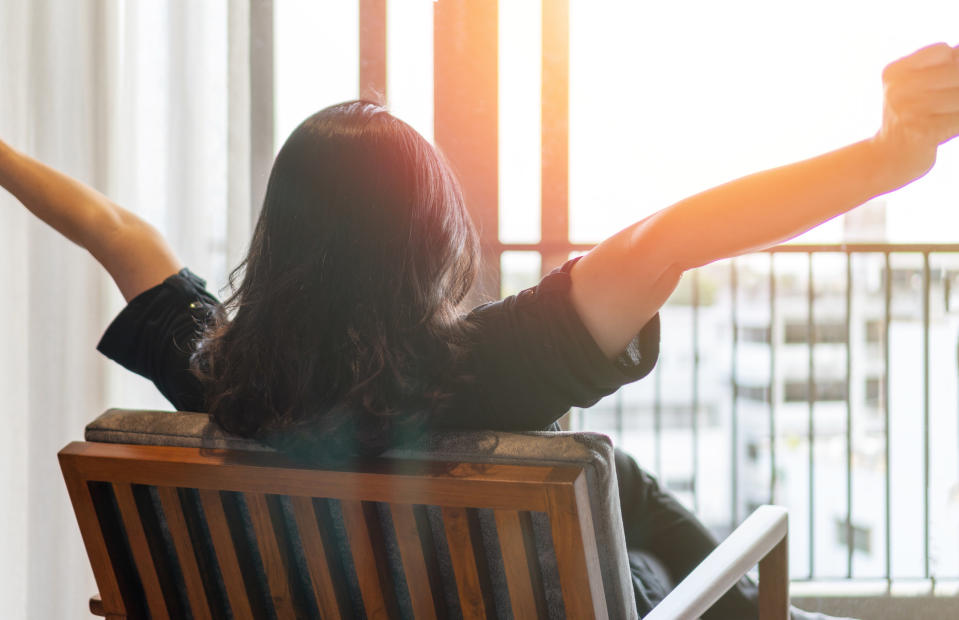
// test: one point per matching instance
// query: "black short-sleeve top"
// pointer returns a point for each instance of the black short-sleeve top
(531, 357)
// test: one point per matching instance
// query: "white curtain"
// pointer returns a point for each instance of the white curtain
(134, 98)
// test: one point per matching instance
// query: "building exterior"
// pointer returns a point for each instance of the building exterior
(735, 371)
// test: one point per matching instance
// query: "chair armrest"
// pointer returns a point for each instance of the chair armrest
(762, 536)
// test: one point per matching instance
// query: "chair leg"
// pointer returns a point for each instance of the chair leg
(96, 608)
(96, 605)
(774, 583)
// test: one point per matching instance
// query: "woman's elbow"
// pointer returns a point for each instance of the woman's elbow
(659, 252)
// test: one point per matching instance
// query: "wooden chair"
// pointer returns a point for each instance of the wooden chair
(173, 531)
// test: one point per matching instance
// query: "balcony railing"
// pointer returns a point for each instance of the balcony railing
(808, 336)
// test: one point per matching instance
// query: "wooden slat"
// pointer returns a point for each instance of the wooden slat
(522, 488)
(510, 487)
(225, 554)
(577, 558)
(176, 524)
(364, 560)
(456, 524)
(111, 599)
(516, 564)
(774, 583)
(414, 565)
(277, 577)
(312, 539)
(141, 550)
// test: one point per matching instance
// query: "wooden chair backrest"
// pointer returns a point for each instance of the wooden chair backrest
(220, 510)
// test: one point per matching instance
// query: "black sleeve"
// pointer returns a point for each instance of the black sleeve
(533, 359)
(155, 335)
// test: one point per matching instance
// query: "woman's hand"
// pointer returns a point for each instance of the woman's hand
(920, 110)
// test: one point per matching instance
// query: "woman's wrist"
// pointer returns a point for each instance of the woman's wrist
(7, 156)
(896, 161)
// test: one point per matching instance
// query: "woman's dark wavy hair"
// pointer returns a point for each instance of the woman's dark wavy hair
(341, 338)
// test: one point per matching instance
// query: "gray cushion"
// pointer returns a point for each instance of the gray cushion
(593, 451)
(165, 428)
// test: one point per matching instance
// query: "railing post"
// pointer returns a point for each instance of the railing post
(811, 401)
(694, 406)
(925, 415)
(734, 454)
(658, 418)
(771, 390)
(849, 530)
(887, 312)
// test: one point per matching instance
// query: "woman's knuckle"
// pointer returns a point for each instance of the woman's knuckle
(888, 73)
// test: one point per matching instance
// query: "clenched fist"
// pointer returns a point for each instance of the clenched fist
(920, 109)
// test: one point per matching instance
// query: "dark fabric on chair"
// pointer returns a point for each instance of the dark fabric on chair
(651, 580)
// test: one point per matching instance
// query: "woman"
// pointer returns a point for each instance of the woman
(345, 336)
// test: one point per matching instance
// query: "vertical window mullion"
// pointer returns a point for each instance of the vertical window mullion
(261, 100)
(466, 121)
(554, 218)
(373, 50)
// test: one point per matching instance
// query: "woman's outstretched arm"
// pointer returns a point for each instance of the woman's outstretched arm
(132, 251)
(624, 281)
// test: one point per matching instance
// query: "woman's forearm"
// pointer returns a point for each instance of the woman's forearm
(622, 283)
(771, 206)
(920, 112)
(75, 210)
(131, 250)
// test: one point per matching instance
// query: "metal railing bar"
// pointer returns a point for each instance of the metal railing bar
(733, 372)
(696, 303)
(771, 388)
(861, 248)
(863, 580)
(619, 416)
(658, 418)
(789, 248)
(946, 291)
(925, 412)
(849, 532)
(811, 401)
(694, 299)
(887, 314)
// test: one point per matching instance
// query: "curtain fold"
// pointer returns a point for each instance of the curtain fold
(134, 99)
